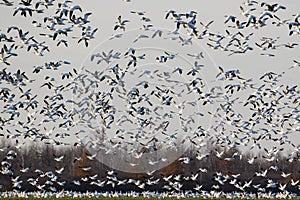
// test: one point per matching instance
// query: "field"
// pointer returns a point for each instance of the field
(115, 198)
(144, 195)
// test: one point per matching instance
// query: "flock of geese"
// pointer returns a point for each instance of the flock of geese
(121, 106)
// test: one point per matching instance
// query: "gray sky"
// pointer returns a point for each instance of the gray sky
(104, 15)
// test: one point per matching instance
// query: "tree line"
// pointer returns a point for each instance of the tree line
(234, 164)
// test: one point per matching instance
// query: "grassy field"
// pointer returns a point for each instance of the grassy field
(114, 198)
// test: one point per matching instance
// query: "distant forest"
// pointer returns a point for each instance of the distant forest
(38, 170)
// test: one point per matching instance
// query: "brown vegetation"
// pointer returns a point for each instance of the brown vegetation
(42, 158)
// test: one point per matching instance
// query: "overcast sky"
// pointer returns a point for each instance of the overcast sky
(105, 14)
